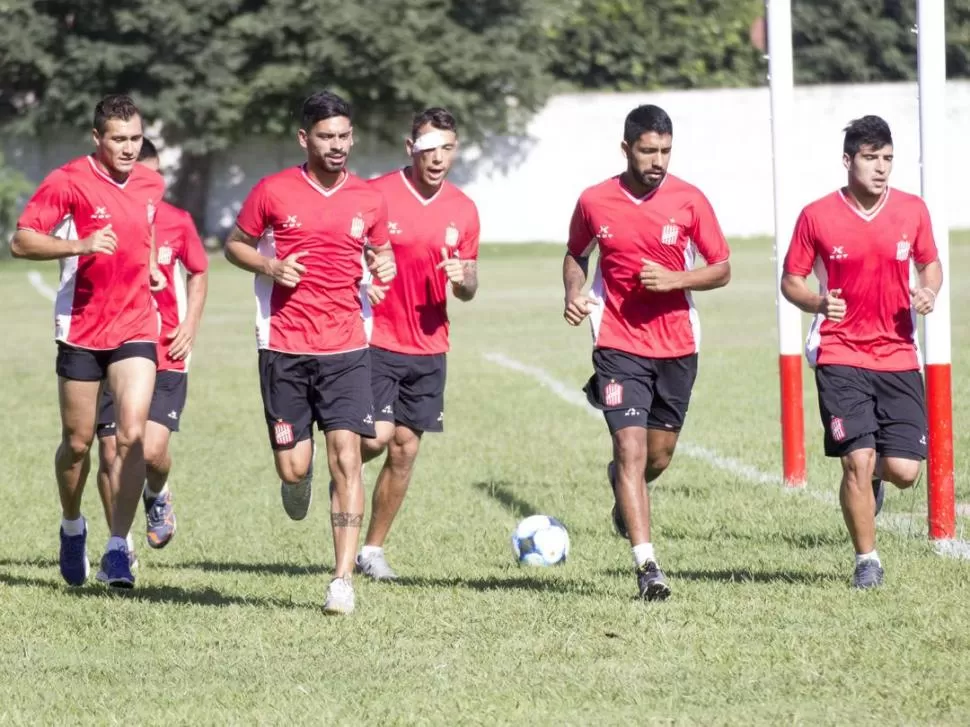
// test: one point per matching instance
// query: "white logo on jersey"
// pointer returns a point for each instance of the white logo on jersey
(164, 255)
(101, 213)
(838, 253)
(902, 250)
(451, 235)
(357, 226)
(670, 233)
(292, 222)
(604, 233)
(393, 228)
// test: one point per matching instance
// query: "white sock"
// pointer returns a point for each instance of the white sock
(149, 495)
(643, 554)
(368, 550)
(116, 543)
(130, 542)
(862, 557)
(73, 527)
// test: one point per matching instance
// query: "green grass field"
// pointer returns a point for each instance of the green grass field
(225, 625)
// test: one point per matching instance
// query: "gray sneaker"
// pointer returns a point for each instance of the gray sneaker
(652, 582)
(340, 596)
(868, 574)
(375, 566)
(296, 498)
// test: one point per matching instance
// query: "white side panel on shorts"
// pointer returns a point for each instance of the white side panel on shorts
(814, 338)
(598, 293)
(690, 256)
(913, 284)
(263, 287)
(181, 299)
(64, 302)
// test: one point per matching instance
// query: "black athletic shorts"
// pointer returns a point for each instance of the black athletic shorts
(168, 401)
(333, 390)
(409, 389)
(85, 364)
(634, 391)
(865, 409)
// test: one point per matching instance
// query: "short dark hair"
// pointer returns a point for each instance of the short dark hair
(646, 118)
(438, 117)
(148, 150)
(321, 106)
(114, 106)
(868, 131)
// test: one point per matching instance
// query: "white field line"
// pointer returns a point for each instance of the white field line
(899, 524)
(37, 281)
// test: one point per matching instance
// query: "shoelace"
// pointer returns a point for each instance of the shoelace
(156, 513)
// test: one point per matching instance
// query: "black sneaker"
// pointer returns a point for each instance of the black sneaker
(618, 525)
(868, 574)
(878, 492)
(652, 582)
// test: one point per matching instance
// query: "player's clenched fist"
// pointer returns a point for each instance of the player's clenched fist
(452, 267)
(288, 272)
(924, 300)
(103, 241)
(832, 306)
(381, 264)
(577, 309)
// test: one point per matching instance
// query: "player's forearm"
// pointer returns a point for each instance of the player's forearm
(797, 292)
(709, 277)
(245, 256)
(466, 290)
(30, 245)
(931, 276)
(197, 288)
(573, 275)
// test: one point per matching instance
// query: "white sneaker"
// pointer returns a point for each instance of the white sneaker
(340, 596)
(375, 566)
(296, 498)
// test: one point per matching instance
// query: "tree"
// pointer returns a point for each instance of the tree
(214, 72)
(632, 44)
(14, 189)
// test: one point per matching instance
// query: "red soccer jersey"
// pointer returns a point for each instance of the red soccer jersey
(178, 248)
(322, 314)
(103, 300)
(867, 256)
(413, 316)
(668, 226)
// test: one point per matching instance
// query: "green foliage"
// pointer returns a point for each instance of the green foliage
(14, 189)
(630, 44)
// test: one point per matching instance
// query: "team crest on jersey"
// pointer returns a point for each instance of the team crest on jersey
(837, 428)
(357, 226)
(151, 212)
(452, 235)
(613, 393)
(282, 433)
(670, 233)
(164, 255)
(902, 249)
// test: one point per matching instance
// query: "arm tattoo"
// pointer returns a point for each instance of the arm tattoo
(346, 520)
(468, 288)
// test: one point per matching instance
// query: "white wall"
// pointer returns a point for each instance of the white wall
(526, 188)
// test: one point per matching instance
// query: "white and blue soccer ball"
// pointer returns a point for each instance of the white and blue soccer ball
(540, 540)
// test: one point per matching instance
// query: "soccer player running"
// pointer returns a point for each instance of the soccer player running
(433, 228)
(180, 305)
(321, 225)
(106, 325)
(649, 226)
(860, 241)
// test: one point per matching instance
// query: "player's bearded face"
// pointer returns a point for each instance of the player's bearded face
(328, 143)
(869, 169)
(432, 165)
(648, 157)
(118, 147)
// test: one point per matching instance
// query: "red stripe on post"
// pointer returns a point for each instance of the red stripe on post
(792, 420)
(941, 498)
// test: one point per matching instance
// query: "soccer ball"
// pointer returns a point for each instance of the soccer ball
(540, 540)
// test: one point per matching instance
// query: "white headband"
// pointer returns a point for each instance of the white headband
(429, 140)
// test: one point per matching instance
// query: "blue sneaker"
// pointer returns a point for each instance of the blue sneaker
(102, 576)
(652, 582)
(868, 574)
(75, 565)
(878, 492)
(159, 519)
(116, 565)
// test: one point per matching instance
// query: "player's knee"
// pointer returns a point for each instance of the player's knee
(131, 434)
(858, 467)
(292, 470)
(630, 445)
(76, 444)
(156, 455)
(904, 473)
(657, 462)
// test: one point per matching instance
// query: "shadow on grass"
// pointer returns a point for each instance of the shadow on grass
(510, 583)
(278, 569)
(502, 493)
(800, 540)
(741, 576)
